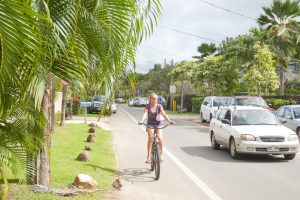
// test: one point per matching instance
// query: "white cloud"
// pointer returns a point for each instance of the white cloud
(198, 18)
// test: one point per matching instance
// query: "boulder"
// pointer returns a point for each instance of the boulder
(87, 148)
(91, 138)
(94, 125)
(83, 156)
(92, 130)
(83, 181)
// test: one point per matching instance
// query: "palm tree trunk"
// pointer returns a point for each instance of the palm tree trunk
(63, 105)
(44, 174)
(281, 81)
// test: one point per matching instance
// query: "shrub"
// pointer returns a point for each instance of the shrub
(276, 103)
(196, 102)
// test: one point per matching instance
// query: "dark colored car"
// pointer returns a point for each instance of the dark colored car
(97, 104)
(162, 101)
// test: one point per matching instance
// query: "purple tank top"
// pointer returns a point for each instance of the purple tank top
(152, 115)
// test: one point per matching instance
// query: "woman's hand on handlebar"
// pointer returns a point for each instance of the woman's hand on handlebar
(171, 122)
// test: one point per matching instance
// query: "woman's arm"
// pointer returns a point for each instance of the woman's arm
(164, 114)
(144, 115)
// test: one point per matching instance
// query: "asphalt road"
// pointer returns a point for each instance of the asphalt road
(192, 170)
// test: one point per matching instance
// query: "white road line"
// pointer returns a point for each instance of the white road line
(209, 192)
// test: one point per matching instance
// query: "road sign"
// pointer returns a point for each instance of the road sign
(85, 104)
(172, 89)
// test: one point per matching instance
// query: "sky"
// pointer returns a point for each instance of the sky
(201, 23)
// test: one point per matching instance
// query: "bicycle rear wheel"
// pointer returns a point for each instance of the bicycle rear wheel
(156, 162)
(152, 157)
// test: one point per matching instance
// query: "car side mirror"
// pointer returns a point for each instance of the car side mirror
(225, 121)
(208, 104)
(284, 121)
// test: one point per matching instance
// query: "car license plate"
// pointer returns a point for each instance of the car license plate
(273, 149)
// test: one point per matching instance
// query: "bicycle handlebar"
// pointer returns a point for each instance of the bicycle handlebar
(160, 127)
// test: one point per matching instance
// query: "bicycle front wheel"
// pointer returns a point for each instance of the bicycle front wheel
(156, 162)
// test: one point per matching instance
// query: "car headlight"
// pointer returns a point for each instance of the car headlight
(248, 137)
(292, 137)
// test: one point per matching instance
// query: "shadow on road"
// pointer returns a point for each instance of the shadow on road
(223, 155)
(137, 175)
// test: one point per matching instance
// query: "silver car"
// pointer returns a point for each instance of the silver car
(290, 117)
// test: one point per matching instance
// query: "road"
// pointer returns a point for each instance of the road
(192, 170)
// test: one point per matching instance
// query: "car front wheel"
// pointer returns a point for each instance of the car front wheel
(232, 148)
(289, 156)
(214, 143)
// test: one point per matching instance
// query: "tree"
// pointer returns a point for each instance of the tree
(262, 75)
(93, 41)
(205, 50)
(280, 19)
(215, 76)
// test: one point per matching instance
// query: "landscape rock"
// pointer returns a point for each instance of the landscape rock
(83, 181)
(83, 156)
(91, 138)
(94, 125)
(87, 148)
(92, 130)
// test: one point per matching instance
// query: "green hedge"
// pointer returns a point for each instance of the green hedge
(196, 103)
(276, 103)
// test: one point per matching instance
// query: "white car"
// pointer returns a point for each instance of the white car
(252, 130)
(210, 105)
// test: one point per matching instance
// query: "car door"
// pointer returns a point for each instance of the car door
(205, 108)
(218, 126)
(279, 114)
(288, 116)
(226, 128)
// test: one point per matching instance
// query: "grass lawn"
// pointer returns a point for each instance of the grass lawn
(67, 143)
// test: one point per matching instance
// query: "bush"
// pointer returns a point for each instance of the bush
(276, 103)
(196, 102)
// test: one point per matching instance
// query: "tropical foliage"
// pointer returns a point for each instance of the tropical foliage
(91, 42)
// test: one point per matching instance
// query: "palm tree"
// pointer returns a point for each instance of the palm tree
(85, 40)
(281, 21)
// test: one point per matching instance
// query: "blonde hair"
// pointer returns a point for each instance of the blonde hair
(153, 94)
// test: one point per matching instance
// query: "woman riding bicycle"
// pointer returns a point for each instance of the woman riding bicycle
(152, 110)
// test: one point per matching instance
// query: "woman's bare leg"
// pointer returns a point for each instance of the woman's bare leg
(160, 140)
(149, 145)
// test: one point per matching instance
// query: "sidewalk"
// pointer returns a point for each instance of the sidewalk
(103, 122)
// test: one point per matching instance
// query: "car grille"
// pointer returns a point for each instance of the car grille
(265, 149)
(271, 139)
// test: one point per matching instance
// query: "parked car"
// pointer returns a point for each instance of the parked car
(251, 130)
(248, 101)
(135, 100)
(210, 105)
(120, 100)
(290, 117)
(113, 107)
(97, 104)
(143, 101)
(162, 101)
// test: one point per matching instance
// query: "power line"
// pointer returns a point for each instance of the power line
(230, 11)
(193, 29)
(179, 31)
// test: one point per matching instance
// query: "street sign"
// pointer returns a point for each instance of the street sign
(85, 104)
(172, 89)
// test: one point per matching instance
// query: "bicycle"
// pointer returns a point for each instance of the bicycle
(155, 153)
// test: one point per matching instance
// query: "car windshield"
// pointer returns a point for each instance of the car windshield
(296, 112)
(99, 98)
(253, 117)
(220, 102)
(251, 102)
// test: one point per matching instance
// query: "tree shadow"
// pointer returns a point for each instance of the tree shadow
(223, 155)
(130, 174)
